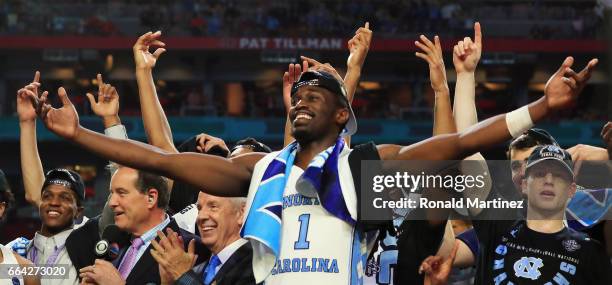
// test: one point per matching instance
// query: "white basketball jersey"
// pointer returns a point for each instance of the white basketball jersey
(317, 247)
(9, 258)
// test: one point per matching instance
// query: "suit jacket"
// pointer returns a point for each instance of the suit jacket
(146, 269)
(81, 242)
(237, 270)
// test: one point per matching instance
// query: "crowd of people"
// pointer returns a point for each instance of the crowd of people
(395, 19)
(204, 213)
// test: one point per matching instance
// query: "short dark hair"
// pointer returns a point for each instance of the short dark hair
(6, 196)
(147, 181)
(69, 179)
(530, 138)
(253, 144)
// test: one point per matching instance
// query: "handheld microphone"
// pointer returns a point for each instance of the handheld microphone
(109, 246)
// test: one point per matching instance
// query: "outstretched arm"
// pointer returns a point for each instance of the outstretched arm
(215, 175)
(560, 91)
(31, 165)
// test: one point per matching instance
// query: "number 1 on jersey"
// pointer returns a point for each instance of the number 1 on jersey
(302, 243)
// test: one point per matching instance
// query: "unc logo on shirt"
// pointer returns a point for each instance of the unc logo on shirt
(527, 267)
(571, 245)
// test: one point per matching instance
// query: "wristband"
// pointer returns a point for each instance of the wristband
(116, 131)
(519, 121)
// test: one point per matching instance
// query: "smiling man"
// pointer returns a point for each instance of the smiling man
(219, 221)
(60, 203)
(138, 201)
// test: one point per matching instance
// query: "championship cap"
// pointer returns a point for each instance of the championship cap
(326, 80)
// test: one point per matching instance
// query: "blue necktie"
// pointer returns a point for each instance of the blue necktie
(209, 271)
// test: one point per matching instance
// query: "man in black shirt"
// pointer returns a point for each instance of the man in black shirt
(540, 249)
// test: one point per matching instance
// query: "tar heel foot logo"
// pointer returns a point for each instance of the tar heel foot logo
(527, 267)
(571, 245)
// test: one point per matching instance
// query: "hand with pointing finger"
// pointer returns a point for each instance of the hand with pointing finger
(25, 109)
(466, 53)
(107, 105)
(359, 46)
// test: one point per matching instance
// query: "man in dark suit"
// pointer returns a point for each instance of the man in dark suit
(138, 201)
(219, 221)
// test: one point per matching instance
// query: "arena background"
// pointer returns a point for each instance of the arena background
(222, 72)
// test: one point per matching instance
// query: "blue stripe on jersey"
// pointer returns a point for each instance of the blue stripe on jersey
(358, 258)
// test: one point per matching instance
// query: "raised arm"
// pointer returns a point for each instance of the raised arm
(107, 107)
(289, 77)
(215, 175)
(560, 91)
(432, 54)
(358, 46)
(154, 119)
(466, 55)
(31, 166)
